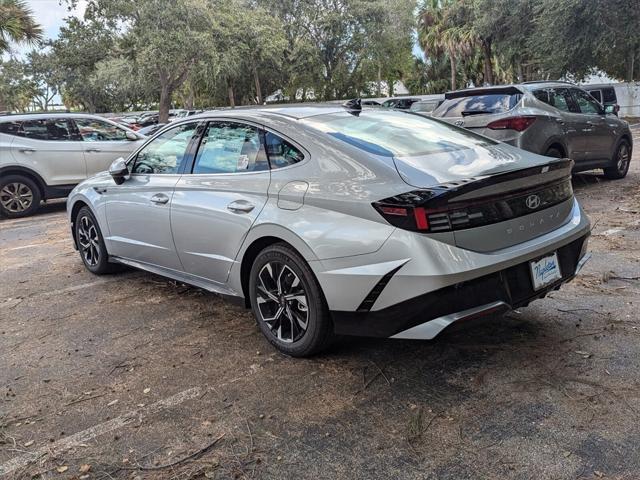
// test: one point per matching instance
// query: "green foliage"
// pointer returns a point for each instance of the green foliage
(17, 24)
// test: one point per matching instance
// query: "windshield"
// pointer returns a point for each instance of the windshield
(396, 134)
(478, 104)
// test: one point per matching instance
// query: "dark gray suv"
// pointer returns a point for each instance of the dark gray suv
(556, 119)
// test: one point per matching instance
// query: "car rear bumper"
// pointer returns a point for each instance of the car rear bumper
(424, 316)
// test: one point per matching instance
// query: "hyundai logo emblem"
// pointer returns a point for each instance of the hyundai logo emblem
(532, 202)
(459, 123)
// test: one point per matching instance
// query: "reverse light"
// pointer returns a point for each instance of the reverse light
(519, 124)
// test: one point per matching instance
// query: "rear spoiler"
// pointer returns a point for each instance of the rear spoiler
(472, 92)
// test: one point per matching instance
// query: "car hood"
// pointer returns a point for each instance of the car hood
(465, 164)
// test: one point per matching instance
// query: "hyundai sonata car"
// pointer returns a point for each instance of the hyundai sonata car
(332, 220)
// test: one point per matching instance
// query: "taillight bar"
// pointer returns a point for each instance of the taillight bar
(519, 124)
(413, 210)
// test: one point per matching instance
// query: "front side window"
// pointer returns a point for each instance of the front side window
(58, 129)
(93, 130)
(230, 147)
(165, 153)
(280, 152)
(586, 102)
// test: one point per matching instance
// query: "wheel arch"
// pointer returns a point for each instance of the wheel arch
(75, 208)
(556, 143)
(260, 238)
(26, 172)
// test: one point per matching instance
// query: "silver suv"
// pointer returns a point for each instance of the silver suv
(327, 220)
(555, 119)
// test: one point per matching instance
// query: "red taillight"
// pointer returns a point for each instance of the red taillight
(394, 211)
(519, 124)
(420, 215)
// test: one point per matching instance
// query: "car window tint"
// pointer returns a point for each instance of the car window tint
(93, 130)
(586, 102)
(230, 147)
(164, 154)
(479, 104)
(597, 94)
(10, 128)
(280, 152)
(609, 95)
(58, 129)
(559, 98)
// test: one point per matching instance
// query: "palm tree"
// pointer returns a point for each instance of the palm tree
(17, 24)
(439, 33)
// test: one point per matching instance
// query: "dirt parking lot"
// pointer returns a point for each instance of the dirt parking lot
(134, 376)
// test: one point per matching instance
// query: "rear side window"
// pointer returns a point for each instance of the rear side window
(597, 94)
(559, 98)
(57, 129)
(10, 128)
(280, 152)
(488, 103)
(609, 95)
(230, 147)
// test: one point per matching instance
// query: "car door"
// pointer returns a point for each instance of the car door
(53, 148)
(215, 205)
(103, 143)
(570, 121)
(138, 210)
(600, 138)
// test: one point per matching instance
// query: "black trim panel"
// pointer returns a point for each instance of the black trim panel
(511, 286)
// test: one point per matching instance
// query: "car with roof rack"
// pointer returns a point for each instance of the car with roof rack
(552, 118)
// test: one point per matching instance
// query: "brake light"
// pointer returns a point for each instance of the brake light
(519, 124)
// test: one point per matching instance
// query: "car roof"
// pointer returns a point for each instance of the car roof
(533, 85)
(40, 116)
(292, 111)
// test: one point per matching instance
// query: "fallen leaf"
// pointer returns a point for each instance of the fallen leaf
(598, 473)
(62, 469)
(29, 443)
(146, 390)
(85, 468)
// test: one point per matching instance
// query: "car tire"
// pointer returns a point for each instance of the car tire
(91, 246)
(19, 196)
(554, 152)
(621, 162)
(288, 303)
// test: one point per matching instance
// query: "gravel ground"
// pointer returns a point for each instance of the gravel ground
(134, 376)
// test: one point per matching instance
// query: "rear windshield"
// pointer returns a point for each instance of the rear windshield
(396, 134)
(478, 104)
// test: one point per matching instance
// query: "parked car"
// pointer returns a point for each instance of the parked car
(371, 103)
(555, 119)
(400, 103)
(43, 156)
(606, 95)
(148, 119)
(331, 220)
(151, 129)
(425, 107)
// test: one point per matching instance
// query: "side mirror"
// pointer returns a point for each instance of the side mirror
(131, 136)
(610, 109)
(119, 170)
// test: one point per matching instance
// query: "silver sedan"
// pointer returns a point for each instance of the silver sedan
(330, 220)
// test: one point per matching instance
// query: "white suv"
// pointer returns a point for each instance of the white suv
(43, 156)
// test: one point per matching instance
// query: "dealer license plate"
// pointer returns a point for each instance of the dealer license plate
(545, 271)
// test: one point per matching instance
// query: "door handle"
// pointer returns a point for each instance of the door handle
(27, 150)
(160, 198)
(93, 150)
(240, 206)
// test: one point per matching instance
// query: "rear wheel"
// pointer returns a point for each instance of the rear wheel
(91, 244)
(621, 161)
(19, 196)
(554, 152)
(288, 303)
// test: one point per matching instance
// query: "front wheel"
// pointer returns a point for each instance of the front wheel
(19, 196)
(91, 244)
(621, 161)
(288, 303)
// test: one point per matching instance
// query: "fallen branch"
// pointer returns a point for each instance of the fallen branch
(195, 454)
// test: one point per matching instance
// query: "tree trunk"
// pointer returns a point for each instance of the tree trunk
(379, 85)
(520, 72)
(232, 100)
(165, 101)
(452, 62)
(488, 67)
(630, 65)
(188, 104)
(258, 87)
